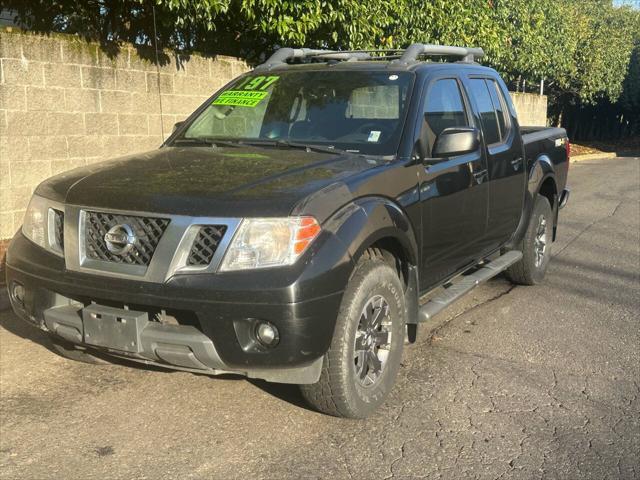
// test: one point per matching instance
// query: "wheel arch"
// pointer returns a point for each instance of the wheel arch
(375, 222)
(541, 180)
(379, 223)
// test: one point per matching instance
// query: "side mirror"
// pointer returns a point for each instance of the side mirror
(456, 141)
(177, 125)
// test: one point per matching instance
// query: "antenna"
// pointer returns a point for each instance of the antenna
(155, 43)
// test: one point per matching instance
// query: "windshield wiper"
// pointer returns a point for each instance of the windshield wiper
(208, 141)
(215, 142)
(287, 143)
(311, 148)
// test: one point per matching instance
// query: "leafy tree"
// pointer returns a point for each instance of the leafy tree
(630, 97)
(581, 48)
(605, 50)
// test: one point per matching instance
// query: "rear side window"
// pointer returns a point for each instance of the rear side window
(490, 126)
(499, 105)
(444, 107)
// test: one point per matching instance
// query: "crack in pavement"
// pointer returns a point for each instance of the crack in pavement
(395, 461)
(585, 229)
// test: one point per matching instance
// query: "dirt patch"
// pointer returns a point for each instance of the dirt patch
(590, 148)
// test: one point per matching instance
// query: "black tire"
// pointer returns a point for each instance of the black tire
(342, 389)
(531, 269)
(72, 352)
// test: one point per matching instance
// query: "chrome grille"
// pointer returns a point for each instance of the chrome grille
(205, 245)
(58, 229)
(148, 232)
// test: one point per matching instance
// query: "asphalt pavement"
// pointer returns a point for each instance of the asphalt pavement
(513, 382)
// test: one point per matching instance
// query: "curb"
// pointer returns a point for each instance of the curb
(593, 156)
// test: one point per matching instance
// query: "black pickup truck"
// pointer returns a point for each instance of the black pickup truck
(300, 225)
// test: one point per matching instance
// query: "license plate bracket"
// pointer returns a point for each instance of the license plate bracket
(114, 328)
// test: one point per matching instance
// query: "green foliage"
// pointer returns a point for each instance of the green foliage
(537, 39)
(450, 22)
(606, 45)
(581, 48)
(630, 98)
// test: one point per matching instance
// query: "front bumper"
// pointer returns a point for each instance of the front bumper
(133, 336)
(210, 311)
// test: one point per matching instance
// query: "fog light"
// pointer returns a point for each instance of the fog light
(267, 334)
(18, 293)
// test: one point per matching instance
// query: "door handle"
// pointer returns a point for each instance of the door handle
(516, 161)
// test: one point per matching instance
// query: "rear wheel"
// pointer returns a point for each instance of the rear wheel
(361, 365)
(536, 246)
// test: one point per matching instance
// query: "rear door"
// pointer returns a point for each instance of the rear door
(453, 191)
(504, 155)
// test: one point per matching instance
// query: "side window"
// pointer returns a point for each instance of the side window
(490, 127)
(444, 107)
(499, 104)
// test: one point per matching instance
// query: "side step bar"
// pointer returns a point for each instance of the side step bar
(466, 284)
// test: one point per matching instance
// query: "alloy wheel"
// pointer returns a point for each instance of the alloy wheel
(540, 242)
(373, 341)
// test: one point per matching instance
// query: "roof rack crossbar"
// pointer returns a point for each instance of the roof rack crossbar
(340, 55)
(280, 56)
(415, 50)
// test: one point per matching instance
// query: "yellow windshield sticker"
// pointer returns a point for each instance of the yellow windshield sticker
(240, 98)
(249, 93)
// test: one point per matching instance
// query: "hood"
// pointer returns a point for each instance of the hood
(205, 181)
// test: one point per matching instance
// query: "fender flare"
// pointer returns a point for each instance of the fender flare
(367, 220)
(539, 172)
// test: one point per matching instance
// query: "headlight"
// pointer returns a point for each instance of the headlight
(269, 242)
(44, 223)
(36, 221)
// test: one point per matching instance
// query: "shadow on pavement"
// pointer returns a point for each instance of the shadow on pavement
(20, 328)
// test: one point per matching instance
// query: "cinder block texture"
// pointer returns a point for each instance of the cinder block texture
(531, 109)
(64, 103)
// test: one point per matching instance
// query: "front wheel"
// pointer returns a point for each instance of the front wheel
(536, 246)
(361, 365)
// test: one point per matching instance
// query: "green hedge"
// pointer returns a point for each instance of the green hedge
(581, 48)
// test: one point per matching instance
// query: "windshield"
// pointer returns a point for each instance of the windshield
(356, 111)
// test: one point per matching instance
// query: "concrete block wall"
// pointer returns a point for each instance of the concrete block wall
(64, 104)
(531, 109)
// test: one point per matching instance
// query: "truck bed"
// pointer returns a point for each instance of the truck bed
(533, 134)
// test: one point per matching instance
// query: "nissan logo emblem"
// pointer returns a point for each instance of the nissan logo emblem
(120, 239)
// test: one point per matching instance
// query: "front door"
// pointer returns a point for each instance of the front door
(453, 191)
